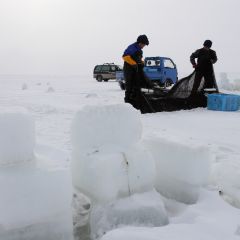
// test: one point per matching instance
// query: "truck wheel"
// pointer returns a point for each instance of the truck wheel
(167, 83)
(99, 78)
(105, 80)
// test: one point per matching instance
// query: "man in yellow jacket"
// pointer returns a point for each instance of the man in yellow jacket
(133, 70)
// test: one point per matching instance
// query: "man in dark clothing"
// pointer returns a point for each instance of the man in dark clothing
(133, 71)
(206, 57)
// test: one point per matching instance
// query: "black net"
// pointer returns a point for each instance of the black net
(183, 88)
(180, 97)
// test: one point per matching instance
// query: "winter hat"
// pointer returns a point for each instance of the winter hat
(143, 39)
(207, 43)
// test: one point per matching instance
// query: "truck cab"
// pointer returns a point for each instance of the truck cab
(161, 70)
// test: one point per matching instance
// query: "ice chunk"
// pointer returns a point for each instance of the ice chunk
(107, 174)
(141, 168)
(35, 204)
(107, 161)
(231, 195)
(17, 136)
(145, 209)
(181, 168)
(95, 126)
(102, 177)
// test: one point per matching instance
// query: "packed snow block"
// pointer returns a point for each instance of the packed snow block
(95, 126)
(223, 102)
(108, 174)
(35, 204)
(17, 136)
(145, 209)
(181, 169)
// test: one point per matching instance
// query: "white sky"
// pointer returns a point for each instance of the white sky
(71, 36)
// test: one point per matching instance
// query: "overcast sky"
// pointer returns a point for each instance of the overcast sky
(71, 36)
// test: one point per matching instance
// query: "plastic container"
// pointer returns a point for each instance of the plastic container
(223, 102)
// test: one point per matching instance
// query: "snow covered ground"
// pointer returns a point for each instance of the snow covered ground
(53, 102)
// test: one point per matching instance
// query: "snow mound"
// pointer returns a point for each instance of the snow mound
(17, 136)
(227, 84)
(181, 168)
(24, 86)
(211, 218)
(35, 204)
(144, 209)
(82, 205)
(50, 89)
(95, 126)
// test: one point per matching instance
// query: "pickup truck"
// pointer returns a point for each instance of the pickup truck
(161, 70)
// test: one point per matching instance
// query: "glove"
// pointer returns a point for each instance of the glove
(194, 65)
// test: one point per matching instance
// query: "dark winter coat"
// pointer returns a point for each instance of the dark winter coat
(205, 60)
(135, 78)
(133, 54)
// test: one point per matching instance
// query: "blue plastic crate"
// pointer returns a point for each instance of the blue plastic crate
(223, 102)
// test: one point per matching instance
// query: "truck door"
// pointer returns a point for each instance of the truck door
(153, 69)
(169, 71)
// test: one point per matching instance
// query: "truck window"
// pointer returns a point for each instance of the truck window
(168, 63)
(152, 63)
